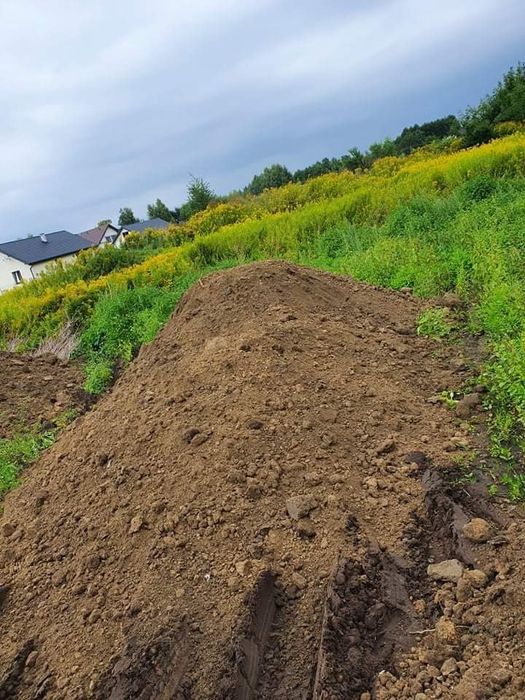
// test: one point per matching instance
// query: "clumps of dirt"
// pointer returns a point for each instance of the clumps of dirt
(281, 422)
(37, 389)
(148, 669)
(368, 613)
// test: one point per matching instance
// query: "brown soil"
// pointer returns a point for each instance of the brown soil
(35, 390)
(251, 512)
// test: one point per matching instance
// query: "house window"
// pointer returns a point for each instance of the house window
(17, 276)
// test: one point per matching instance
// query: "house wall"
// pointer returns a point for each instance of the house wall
(38, 268)
(119, 240)
(9, 265)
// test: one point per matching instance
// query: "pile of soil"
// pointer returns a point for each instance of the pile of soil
(35, 390)
(252, 510)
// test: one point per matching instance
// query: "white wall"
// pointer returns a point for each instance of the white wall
(9, 265)
(38, 268)
(28, 272)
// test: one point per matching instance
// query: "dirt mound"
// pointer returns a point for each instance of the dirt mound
(245, 515)
(36, 390)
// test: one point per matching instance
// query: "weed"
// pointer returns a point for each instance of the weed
(448, 398)
(515, 483)
(435, 323)
(493, 490)
(17, 453)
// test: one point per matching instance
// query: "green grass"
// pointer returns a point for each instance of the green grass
(435, 323)
(19, 452)
(452, 222)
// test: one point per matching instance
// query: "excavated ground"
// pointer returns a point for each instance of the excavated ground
(251, 511)
(35, 390)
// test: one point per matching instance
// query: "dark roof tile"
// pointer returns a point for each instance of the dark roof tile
(34, 250)
(143, 225)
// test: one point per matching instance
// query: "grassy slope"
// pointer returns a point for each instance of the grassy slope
(434, 222)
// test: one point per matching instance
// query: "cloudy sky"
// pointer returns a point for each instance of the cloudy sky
(114, 103)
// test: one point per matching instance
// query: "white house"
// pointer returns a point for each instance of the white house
(27, 258)
(109, 234)
(104, 235)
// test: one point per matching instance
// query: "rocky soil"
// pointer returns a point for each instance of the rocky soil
(264, 507)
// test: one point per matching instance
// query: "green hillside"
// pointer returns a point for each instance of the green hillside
(434, 222)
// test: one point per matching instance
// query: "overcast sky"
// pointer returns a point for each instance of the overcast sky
(111, 103)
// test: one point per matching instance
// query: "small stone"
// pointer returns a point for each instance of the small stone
(305, 528)
(477, 530)
(199, 439)
(58, 578)
(40, 498)
(136, 524)
(500, 677)
(386, 446)
(463, 590)
(300, 506)
(416, 457)
(449, 666)
(472, 400)
(255, 424)
(463, 410)
(476, 578)
(420, 606)
(94, 616)
(189, 434)
(31, 659)
(79, 588)
(298, 580)
(371, 484)
(243, 567)
(446, 630)
(448, 570)
(8, 529)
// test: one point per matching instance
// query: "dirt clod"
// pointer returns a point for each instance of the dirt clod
(448, 570)
(477, 530)
(300, 506)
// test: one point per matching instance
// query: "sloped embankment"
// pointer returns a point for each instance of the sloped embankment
(244, 515)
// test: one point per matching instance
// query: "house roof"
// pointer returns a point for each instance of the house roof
(95, 235)
(34, 250)
(143, 225)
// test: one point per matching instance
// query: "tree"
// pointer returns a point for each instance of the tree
(275, 175)
(104, 222)
(419, 135)
(126, 217)
(159, 210)
(200, 194)
(382, 149)
(505, 103)
(354, 159)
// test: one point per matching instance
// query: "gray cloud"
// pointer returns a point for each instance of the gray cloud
(113, 104)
